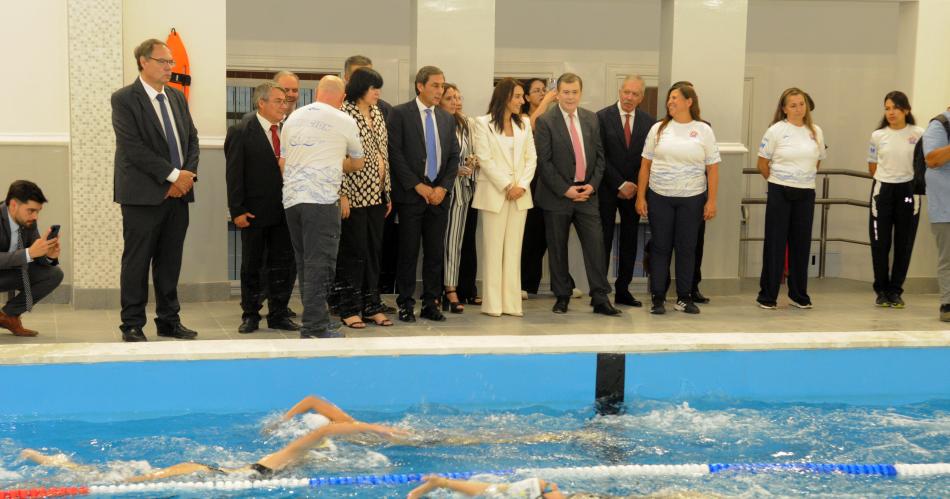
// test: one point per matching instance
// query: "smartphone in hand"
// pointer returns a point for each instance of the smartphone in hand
(53, 232)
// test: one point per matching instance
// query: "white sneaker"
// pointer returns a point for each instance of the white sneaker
(795, 304)
(524, 295)
(576, 293)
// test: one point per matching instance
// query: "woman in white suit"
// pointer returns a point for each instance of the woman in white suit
(505, 149)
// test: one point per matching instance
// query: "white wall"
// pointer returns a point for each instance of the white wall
(36, 78)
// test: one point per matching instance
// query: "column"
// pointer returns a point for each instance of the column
(458, 36)
(95, 71)
(923, 73)
(705, 43)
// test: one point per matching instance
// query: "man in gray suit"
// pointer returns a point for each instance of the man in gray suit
(156, 166)
(570, 164)
(28, 262)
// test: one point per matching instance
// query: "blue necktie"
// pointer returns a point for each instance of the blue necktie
(432, 160)
(169, 133)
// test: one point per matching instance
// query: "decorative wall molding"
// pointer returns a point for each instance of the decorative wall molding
(34, 139)
(732, 148)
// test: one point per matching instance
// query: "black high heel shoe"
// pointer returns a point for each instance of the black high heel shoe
(452, 306)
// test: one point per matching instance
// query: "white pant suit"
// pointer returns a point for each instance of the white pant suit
(504, 162)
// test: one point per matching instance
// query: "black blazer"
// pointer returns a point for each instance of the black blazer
(142, 162)
(384, 108)
(556, 159)
(16, 259)
(622, 163)
(254, 181)
(407, 152)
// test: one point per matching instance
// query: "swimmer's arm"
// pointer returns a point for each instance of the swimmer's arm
(319, 406)
(54, 461)
(467, 487)
(292, 451)
(171, 471)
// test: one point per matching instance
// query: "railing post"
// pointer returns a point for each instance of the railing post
(823, 236)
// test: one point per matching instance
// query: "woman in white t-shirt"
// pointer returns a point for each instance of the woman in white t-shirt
(679, 154)
(895, 209)
(789, 156)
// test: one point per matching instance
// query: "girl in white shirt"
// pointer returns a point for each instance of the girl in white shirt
(679, 155)
(789, 156)
(895, 209)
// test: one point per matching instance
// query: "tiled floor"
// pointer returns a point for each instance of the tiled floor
(834, 311)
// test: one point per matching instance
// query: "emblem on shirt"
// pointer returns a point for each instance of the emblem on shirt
(911, 140)
(693, 134)
(812, 137)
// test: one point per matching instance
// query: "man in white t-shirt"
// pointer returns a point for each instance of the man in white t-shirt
(319, 143)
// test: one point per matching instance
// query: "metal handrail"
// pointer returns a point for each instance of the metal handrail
(826, 203)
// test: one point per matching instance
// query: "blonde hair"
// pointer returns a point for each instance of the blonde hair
(780, 110)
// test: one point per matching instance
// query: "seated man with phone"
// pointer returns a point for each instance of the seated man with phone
(28, 262)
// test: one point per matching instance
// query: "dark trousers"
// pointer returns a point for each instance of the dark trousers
(154, 237)
(468, 264)
(315, 235)
(361, 242)
(895, 213)
(43, 280)
(390, 254)
(533, 248)
(267, 248)
(629, 226)
(789, 214)
(557, 228)
(425, 224)
(700, 242)
(674, 226)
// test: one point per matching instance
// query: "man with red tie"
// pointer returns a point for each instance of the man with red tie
(570, 165)
(623, 129)
(252, 150)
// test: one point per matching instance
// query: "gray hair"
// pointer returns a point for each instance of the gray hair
(632, 77)
(425, 72)
(262, 92)
(356, 60)
(281, 74)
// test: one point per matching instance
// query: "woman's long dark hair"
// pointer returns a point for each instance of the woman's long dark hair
(688, 92)
(459, 118)
(500, 97)
(901, 102)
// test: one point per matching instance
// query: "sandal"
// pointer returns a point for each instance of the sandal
(475, 300)
(357, 324)
(384, 321)
(455, 307)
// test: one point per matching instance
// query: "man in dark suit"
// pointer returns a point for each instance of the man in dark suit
(570, 164)
(423, 161)
(156, 166)
(28, 262)
(252, 150)
(623, 130)
(354, 62)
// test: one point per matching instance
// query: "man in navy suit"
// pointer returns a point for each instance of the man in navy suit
(255, 200)
(156, 166)
(623, 130)
(423, 162)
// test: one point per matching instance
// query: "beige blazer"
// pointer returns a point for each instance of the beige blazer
(497, 172)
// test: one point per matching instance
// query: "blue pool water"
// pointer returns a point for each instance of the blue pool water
(697, 430)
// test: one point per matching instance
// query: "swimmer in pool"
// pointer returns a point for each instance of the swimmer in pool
(264, 468)
(531, 488)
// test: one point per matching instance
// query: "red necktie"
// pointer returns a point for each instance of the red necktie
(626, 128)
(580, 164)
(275, 138)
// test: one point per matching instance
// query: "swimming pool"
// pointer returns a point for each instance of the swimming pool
(848, 406)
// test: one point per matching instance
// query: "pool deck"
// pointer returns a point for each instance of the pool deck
(730, 323)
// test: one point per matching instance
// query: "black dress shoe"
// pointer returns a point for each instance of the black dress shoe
(407, 315)
(606, 309)
(432, 313)
(291, 313)
(283, 324)
(323, 334)
(627, 299)
(177, 331)
(388, 309)
(248, 325)
(133, 335)
(560, 306)
(698, 297)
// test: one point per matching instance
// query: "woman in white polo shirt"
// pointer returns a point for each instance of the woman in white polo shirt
(679, 154)
(895, 209)
(789, 156)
